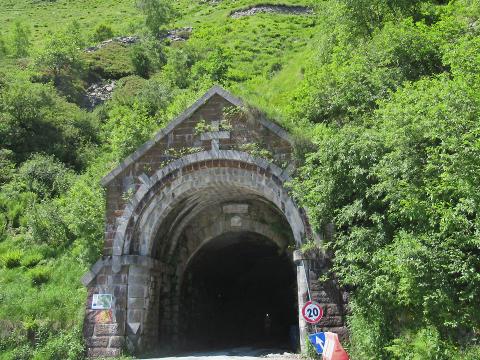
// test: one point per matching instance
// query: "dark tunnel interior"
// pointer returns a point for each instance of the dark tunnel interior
(239, 290)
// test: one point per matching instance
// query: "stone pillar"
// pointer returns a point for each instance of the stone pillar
(104, 330)
(302, 286)
(143, 307)
(328, 294)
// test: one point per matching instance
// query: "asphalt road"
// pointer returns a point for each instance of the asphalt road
(244, 353)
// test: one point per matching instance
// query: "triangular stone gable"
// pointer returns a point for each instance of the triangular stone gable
(180, 136)
(252, 134)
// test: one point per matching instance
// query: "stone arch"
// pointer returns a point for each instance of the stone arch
(196, 173)
(218, 175)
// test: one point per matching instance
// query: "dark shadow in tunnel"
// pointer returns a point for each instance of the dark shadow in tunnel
(239, 290)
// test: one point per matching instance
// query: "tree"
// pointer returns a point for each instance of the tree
(102, 32)
(215, 66)
(21, 40)
(157, 14)
(61, 53)
(128, 127)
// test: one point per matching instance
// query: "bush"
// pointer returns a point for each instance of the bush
(67, 345)
(350, 85)
(128, 127)
(403, 193)
(102, 32)
(46, 225)
(179, 64)
(424, 344)
(141, 62)
(35, 119)
(39, 275)
(21, 40)
(215, 66)
(112, 61)
(31, 260)
(45, 176)
(12, 259)
(7, 166)
(3, 47)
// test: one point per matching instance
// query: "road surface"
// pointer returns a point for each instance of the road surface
(244, 353)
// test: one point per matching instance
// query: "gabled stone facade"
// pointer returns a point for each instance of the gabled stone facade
(216, 170)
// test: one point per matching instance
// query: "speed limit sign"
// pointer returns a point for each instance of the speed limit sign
(312, 312)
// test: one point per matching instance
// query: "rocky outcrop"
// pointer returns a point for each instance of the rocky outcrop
(125, 40)
(181, 34)
(265, 8)
(98, 93)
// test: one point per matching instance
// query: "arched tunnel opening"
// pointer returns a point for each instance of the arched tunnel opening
(239, 290)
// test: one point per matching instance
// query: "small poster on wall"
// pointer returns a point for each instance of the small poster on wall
(102, 301)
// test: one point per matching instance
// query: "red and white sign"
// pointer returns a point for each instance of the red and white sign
(312, 312)
(333, 350)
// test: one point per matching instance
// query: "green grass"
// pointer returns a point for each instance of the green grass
(45, 16)
(255, 44)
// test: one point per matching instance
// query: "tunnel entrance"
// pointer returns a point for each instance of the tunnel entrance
(239, 290)
(198, 236)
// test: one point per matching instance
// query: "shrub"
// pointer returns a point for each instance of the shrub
(7, 165)
(102, 32)
(11, 259)
(46, 225)
(3, 47)
(39, 275)
(34, 118)
(21, 40)
(45, 176)
(112, 61)
(31, 260)
(141, 62)
(128, 127)
(67, 345)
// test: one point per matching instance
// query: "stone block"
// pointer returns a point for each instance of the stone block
(119, 291)
(103, 352)
(136, 303)
(235, 209)
(331, 321)
(342, 332)
(98, 341)
(134, 316)
(133, 328)
(116, 342)
(143, 279)
(136, 291)
(88, 329)
(333, 310)
(118, 279)
(107, 330)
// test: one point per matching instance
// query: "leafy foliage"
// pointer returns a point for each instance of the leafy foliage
(21, 40)
(102, 32)
(157, 14)
(402, 188)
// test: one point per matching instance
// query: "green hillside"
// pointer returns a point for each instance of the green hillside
(383, 100)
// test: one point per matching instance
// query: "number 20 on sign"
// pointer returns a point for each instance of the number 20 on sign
(312, 312)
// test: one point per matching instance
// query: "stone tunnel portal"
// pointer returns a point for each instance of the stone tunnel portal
(198, 244)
